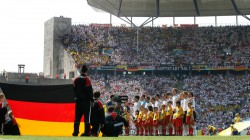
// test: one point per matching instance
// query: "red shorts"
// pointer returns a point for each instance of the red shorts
(163, 122)
(178, 122)
(128, 122)
(143, 123)
(188, 120)
(168, 119)
(150, 122)
(155, 123)
(137, 123)
(140, 122)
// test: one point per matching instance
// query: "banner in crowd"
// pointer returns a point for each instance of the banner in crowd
(173, 67)
(146, 67)
(189, 25)
(42, 110)
(132, 68)
(219, 68)
(206, 67)
(92, 66)
(166, 67)
(121, 67)
(108, 68)
(240, 68)
(199, 67)
(101, 25)
(107, 51)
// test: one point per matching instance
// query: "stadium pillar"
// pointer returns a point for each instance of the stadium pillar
(173, 21)
(152, 22)
(194, 20)
(131, 22)
(137, 44)
(215, 21)
(237, 22)
(110, 18)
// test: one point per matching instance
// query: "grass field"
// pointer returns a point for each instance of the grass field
(126, 138)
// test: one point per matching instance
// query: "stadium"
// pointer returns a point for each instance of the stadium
(206, 66)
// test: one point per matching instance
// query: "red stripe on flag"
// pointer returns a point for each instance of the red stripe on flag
(54, 112)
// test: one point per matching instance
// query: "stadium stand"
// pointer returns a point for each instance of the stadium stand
(191, 45)
(218, 97)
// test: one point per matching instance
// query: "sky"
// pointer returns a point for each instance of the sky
(22, 27)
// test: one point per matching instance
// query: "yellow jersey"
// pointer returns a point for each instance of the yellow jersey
(233, 129)
(178, 112)
(163, 114)
(144, 117)
(127, 116)
(136, 117)
(190, 112)
(169, 111)
(237, 119)
(211, 128)
(140, 114)
(156, 116)
(150, 115)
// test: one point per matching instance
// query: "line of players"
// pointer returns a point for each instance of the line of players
(172, 113)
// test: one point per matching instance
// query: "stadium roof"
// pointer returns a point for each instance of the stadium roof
(172, 8)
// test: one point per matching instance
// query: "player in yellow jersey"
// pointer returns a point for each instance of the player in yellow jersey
(149, 123)
(140, 119)
(162, 120)
(212, 130)
(143, 121)
(234, 131)
(190, 119)
(178, 119)
(237, 118)
(156, 120)
(137, 119)
(127, 118)
(169, 117)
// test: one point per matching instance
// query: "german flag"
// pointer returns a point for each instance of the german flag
(42, 109)
(240, 68)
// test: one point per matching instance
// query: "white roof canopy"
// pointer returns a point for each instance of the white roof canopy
(172, 8)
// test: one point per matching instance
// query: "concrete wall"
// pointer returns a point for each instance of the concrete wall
(21, 77)
(2, 78)
(66, 63)
(34, 79)
(48, 81)
(56, 59)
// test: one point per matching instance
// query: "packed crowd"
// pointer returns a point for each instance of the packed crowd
(217, 97)
(201, 45)
(132, 85)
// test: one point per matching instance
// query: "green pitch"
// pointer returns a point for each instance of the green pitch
(127, 138)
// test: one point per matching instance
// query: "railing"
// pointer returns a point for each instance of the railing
(168, 25)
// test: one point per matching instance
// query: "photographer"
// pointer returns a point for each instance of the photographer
(113, 124)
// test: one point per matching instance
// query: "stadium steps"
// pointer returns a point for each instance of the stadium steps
(180, 85)
(2, 79)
